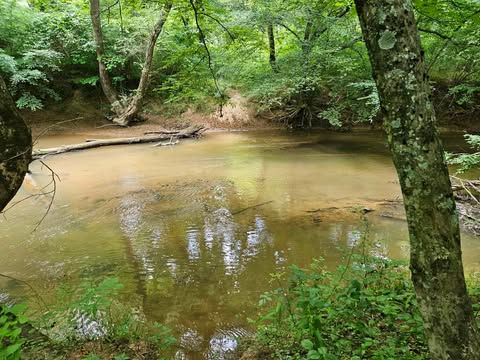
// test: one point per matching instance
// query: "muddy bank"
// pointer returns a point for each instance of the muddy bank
(84, 113)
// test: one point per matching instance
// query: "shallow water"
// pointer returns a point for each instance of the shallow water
(194, 231)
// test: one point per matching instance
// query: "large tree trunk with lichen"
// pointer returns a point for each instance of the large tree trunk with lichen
(15, 147)
(105, 81)
(393, 44)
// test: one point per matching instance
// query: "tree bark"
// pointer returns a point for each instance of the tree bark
(192, 131)
(306, 44)
(271, 47)
(393, 44)
(136, 101)
(15, 147)
(105, 81)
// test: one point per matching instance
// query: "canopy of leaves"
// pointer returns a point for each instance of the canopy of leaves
(321, 75)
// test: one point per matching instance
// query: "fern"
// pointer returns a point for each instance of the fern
(29, 101)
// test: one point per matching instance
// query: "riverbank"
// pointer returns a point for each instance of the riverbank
(83, 113)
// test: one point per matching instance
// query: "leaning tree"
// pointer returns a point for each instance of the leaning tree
(129, 110)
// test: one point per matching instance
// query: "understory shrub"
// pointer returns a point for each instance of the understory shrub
(363, 310)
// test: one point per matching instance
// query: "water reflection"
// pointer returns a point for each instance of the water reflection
(195, 233)
(207, 265)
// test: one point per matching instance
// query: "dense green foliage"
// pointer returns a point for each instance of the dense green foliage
(365, 309)
(321, 73)
(11, 340)
(87, 313)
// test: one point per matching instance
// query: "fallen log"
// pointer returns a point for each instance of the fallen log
(190, 132)
(163, 131)
(168, 143)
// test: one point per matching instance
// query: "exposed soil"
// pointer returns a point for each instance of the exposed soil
(84, 114)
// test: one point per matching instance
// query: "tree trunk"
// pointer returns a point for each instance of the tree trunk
(394, 48)
(271, 47)
(105, 81)
(15, 147)
(306, 44)
(136, 102)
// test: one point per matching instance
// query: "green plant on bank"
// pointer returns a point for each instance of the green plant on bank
(30, 77)
(89, 313)
(364, 309)
(11, 341)
(466, 161)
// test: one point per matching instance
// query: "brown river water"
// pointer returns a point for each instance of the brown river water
(194, 231)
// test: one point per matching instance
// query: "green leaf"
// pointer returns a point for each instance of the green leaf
(122, 357)
(307, 344)
(12, 349)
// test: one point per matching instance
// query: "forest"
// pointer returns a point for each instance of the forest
(250, 179)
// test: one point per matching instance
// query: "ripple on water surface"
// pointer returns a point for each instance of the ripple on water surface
(195, 231)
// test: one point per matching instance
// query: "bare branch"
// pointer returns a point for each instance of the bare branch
(428, 31)
(55, 177)
(209, 56)
(290, 30)
(30, 286)
(232, 37)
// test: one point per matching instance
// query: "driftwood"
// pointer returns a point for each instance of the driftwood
(190, 132)
(252, 207)
(163, 131)
(461, 184)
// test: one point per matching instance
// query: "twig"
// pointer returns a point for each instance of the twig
(471, 183)
(435, 58)
(54, 192)
(251, 207)
(290, 30)
(42, 193)
(44, 131)
(39, 135)
(24, 199)
(30, 286)
(107, 125)
(232, 37)
(161, 132)
(209, 57)
(443, 36)
(170, 142)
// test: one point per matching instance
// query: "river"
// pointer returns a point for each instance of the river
(195, 230)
